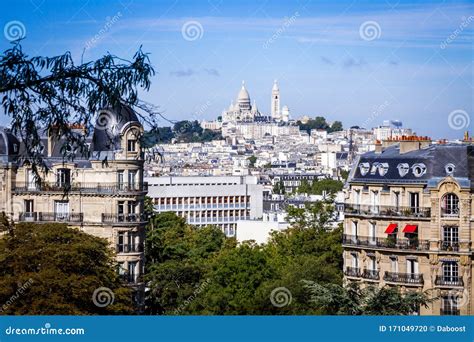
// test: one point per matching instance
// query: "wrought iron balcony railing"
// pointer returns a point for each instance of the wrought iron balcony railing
(449, 281)
(50, 217)
(404, 278)
(96, 188)
(129, 248)
(384, 210)
(123, 218)
(450, 246)
(449, 312)
(370, 274)
(389, 242)
(352, 272)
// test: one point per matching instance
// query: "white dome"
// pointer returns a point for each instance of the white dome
(243, 94)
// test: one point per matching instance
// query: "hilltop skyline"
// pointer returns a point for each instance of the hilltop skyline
(358, 63)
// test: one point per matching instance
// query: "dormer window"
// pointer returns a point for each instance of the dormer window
(419, 169)
(364, 168)
(131, 145)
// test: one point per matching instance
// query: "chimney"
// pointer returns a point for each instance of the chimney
(378, 146)
(52, 139)
(413, 143)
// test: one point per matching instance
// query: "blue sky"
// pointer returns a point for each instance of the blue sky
(415, 65)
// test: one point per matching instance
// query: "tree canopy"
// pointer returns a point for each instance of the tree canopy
(58, 269)
(56, 93)
(319, 122)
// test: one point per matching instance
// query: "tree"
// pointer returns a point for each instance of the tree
(177, 260)
(333, 299)
(327, 186)
(235, 276)
(56, 94)
(344, 174)
(336, 126)
(252, 160)
(58, 269)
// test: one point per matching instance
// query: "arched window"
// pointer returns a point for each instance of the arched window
(450, 205)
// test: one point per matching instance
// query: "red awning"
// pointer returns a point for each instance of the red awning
(391, 228)
(410, 228)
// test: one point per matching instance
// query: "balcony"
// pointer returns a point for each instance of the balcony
(129, 248)
(404, 278)
(390, 243)
(370, 274)
(352, 272)
(390, 211)
(123, 218)
(449, 312)
(50, 217)
(449, 246)
(449, 281)
(86, 188)
(131, 278)
(450, 212)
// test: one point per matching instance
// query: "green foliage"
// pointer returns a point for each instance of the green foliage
(344, 174)
(56, 93)
(319, 122)
(177, 259)
(333, 299)
(252, 160)
(62, 267)
(191, 131)
(279, 188)
(318, 187)
(157, 135)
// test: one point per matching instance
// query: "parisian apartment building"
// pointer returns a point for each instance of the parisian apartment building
(101, 194)
(409, 221)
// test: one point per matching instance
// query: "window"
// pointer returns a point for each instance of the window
(132, 176)
(394, 264)
(132, 271)
(450, 238)
(450, 271)
(412, 267)
(121, 241)
(120, 211)
(396, 200)
(131, 205)
(355, 260)
(61, 210)
(450, 205)
(415, 202)
(372, 264)
(120, 179)
(448, 306)
(30, 179)
(29, 210)
(63, 177)
(131, 145)
(372, 229)
(419, 169)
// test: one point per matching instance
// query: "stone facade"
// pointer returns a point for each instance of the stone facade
(409, 221)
